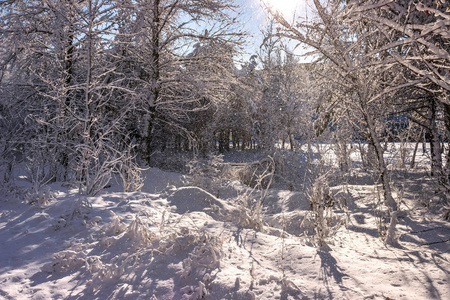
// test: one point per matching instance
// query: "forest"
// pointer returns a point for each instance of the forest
(148, 151)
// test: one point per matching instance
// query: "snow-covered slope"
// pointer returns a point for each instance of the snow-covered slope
(171, 241)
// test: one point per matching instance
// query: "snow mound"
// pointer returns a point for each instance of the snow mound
(186, 243)
(157, 180)
(191, 198)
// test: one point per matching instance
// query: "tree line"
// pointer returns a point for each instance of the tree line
(93, 87)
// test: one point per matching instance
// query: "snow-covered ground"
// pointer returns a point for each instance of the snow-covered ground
(171, 241)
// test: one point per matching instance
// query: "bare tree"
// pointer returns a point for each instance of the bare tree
(95, 76)
(168, 35)
(359, 86)
(419, 42)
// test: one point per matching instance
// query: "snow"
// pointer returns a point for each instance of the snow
(174, 241)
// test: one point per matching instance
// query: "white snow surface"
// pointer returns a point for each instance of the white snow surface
(171, 241)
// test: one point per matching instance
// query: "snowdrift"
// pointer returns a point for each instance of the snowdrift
(171, 241)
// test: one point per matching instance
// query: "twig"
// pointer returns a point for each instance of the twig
(432, 243)
(430, 229)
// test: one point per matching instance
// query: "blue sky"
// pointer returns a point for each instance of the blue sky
(254, 17)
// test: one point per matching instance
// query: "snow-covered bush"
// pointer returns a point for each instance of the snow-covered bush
(259, 173)
(341, 150)
(40, 171)
(250, 213)
(446, 213)
(6, 168)
(206, 173)
(94, 171)
(252, 200)
(80, 207)
(139, 233)
(129, 172)
(171, 160)
(9, 190)
(77, 215)
(9, 126)
(115, 226)
(290, 169)
(127, 245)
(205, 256)
(193, 293)
(40, 166)
(133, 245)
(39, 195)
(66, 260)
(322, 216)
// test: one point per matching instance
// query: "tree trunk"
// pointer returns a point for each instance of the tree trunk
(84, 175)
(155, 89)
(447, 134)
(291, 141)
(413, 158)
(149, 138)
(345, 166)
(68, 69)
(435, 144)
(424, 143)
(381, 164)
(389, 201)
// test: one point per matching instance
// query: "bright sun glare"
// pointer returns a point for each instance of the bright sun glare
(285, 7)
